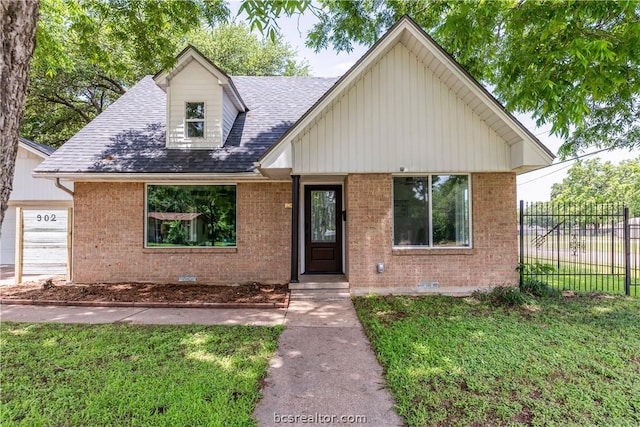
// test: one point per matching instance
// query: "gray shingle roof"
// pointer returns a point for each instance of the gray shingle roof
(44, 149)
(129, 136)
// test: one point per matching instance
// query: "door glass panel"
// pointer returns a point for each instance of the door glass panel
(323, 216)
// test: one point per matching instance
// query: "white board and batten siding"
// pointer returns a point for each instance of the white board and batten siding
(398, 114)
(8, 237)
(229, 114)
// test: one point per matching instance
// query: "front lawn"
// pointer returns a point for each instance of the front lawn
(91, 375)
(460, 362)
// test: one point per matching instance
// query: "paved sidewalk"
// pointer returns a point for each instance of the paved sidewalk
(150, 316)
(324, 370)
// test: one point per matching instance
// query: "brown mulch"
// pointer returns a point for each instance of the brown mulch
(58, 290)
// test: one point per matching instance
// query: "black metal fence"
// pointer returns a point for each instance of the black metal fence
(589, 247)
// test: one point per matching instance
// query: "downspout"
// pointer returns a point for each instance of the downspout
(62, 187)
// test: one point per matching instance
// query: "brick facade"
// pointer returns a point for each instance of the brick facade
(491, 261)
(109, 239)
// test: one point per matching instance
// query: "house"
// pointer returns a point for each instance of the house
(401, 173)
(34, 199)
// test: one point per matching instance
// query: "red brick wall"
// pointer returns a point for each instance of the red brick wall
(109, 238)
(491, 261)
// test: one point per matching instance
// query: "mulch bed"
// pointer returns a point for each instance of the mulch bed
(56, 291)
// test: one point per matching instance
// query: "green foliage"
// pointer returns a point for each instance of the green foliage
(89, 52)
(239, 52)
(178, 234)
(460, 362)
(122, 375)
(572, 64)
(504, 296)
(534, 279)
(535, 269)
(593, 181)
(263, 15)
(215, 206)
(538, 288)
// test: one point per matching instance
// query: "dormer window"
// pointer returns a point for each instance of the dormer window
(202, 103)
(194, 120)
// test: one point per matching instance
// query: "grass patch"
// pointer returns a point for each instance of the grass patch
(585, 280)
(82, 375)
(560, 361)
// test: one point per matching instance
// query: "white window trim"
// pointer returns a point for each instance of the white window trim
(430, 246)
(166, 184)
(187, 121)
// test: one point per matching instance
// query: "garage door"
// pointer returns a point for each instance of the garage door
(44, 241)
(8, 237)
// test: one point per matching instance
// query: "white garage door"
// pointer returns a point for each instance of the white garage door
(44, 241)
(8, 237)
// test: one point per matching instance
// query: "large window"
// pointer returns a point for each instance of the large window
(195, 119)
(191, 215)
(431, 211)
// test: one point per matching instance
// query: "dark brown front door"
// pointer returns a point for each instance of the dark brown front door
(323, 228)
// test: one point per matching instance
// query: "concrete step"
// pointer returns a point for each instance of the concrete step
(319, 294)
(319, 285)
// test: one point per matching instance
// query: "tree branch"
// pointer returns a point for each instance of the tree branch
(61, 101)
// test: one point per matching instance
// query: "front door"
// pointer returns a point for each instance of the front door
(323, 228)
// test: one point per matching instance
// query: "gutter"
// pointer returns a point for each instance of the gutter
(148, 177)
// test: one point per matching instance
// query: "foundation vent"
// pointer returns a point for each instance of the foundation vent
(428, 285)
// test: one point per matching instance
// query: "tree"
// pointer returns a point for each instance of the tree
(17, 37)
(89, 51)
(572, 64)
(592, 181)
(62, 100)
(238, 52)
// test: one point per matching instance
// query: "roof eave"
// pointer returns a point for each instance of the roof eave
(149, 177)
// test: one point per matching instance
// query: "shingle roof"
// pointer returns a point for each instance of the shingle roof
(41, 148)
(129, 136)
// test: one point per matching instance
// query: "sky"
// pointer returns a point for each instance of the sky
(532, 186)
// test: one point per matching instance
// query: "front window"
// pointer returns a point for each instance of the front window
(195, 119)
(431, 211)
(191, 215)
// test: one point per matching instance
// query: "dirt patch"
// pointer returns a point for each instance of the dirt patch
(58, 290)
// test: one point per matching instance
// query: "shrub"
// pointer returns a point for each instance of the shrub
(538, 288)
(504, 295)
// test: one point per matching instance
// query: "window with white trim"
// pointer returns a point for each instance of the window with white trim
(431, 211)
(191, 215)
(194, 120)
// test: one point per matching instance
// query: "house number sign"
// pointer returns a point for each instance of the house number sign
(46, 217)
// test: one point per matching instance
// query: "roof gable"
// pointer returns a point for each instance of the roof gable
(40, 150)
(190, 54)
(432, 56)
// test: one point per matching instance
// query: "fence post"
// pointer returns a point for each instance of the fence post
(521, 265)
(627, 253)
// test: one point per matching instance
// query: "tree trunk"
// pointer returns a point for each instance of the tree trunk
(18, 20)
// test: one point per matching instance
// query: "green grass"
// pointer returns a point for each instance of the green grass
(584, 280)
(461, 362)
(126, 375)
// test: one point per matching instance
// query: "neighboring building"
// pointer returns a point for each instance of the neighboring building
(35, 197)
(399, 174)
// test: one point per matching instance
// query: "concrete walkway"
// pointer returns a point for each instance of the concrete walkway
(324, 372)
(149, 316)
